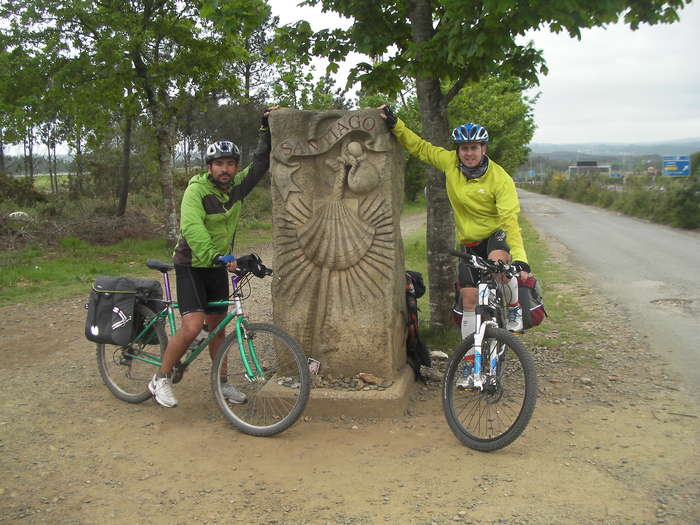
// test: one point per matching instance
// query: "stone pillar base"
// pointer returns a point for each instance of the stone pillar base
(392, 402)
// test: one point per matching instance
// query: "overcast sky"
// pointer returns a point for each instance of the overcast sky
(614, 85)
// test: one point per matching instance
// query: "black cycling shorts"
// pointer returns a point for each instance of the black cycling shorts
(197, 286)
(468, 276)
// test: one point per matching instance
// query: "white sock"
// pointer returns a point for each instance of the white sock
(513, 289)
(468, 323)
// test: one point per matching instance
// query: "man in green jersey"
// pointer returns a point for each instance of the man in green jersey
(211, 206)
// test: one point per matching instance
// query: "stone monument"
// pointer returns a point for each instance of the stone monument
(337, 188)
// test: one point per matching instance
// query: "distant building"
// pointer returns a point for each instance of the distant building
(583, 167)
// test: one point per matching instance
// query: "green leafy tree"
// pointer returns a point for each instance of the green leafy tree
(22, 84)
(500, 106)
(256, 68)
(297, 87)
(695, 164)
(450, 43)
(161, 49)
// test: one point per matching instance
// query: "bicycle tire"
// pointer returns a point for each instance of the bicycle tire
(127, 378)
(493, 418)
(273, 403)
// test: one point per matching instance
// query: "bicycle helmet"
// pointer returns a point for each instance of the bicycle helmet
(470, 133)
(223, 149)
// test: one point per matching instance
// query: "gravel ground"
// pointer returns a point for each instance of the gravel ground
(606, 443)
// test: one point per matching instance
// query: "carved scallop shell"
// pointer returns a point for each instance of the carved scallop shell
(335, 237)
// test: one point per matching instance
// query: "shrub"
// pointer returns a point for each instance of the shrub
(606, 198)
(72, 243)
(684, 204)
(675, 202)
(19, 189)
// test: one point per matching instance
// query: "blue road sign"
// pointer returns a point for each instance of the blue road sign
(677, 166)
(531, 173)
(615, 175)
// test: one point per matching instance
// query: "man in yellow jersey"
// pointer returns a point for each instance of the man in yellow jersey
(485, 206)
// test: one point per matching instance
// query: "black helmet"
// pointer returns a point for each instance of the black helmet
(223, 149)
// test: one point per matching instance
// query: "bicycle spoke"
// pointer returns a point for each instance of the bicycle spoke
(493, 417)
(275, 399)
(126, 376)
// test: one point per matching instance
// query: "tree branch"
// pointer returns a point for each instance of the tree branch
(454, 90)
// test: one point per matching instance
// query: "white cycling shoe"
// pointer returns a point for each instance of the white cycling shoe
(232, 394)
(162, 391)
(514, 321)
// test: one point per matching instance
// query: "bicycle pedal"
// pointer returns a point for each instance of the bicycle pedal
(177, 374)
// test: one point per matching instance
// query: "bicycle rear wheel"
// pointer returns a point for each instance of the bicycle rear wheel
(124, 375)
(275, 400)
(493, 418)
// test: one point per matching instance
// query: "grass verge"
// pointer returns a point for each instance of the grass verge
(37, 274)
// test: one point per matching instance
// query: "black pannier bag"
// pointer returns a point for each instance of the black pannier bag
(530, 297)
(111, 311)
(418, 353)
(150, 293)
(110, 317)
(417, 282)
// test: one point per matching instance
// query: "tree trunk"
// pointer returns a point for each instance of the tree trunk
(53, 169)
(163, 124)
(55, 162)
(164, 134)
(2, 154)
(76, 186)
(124, 167)
(440, 230)
(187, 154)
(52, 175)
(29, 153)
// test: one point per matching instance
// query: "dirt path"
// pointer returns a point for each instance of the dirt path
(605, 446)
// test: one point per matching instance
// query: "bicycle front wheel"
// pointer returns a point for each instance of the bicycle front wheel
(123, 373)
(275, 399)
(494, 417)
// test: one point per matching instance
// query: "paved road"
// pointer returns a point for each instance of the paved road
(653, 271)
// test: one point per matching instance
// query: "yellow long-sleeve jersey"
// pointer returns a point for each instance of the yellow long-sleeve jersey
(481, 206)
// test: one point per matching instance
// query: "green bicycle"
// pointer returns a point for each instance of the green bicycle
(258, 359)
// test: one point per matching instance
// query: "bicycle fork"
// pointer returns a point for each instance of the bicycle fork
(483, 306)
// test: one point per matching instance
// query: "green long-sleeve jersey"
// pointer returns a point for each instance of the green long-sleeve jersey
(209, 215)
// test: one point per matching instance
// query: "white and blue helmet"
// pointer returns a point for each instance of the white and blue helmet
(223, 149)
(470, 132)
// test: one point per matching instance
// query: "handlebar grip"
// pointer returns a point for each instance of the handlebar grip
(458, 254)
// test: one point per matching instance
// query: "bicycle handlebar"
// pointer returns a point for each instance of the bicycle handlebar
(252, 264)
(246, 264)
(486, 264)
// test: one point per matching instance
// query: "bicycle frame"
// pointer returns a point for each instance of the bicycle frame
(486, 314)
(253, 372)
